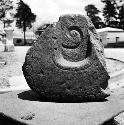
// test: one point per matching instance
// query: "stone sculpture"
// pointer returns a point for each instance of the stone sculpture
(67, 62)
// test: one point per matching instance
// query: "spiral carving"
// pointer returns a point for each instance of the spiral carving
(65, 64)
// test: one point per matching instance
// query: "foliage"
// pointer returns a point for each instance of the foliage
(121, 17)
(5, 6)
(93, 12)
(24, 17)
(110, 13)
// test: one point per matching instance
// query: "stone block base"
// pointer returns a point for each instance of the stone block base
(28, 108)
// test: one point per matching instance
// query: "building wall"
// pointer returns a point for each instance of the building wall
(115, 37)
(111, 37)
(20, 41)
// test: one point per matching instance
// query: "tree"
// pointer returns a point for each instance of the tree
(121, 16)
(24, 17)
(5, 6)
(110, 13)
(92, 13)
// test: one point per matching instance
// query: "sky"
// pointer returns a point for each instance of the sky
(50, 10)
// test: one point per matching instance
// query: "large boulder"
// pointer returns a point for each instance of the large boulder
(67, 62)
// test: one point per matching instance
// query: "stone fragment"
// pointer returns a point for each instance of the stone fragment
(67, 62)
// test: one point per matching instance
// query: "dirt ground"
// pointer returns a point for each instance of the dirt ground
(13, 64)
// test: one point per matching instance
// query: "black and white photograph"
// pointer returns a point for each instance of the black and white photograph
(61, 62)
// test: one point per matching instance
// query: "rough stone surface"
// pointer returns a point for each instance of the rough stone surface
(67, 62)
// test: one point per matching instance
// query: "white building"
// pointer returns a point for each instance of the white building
(110, 35)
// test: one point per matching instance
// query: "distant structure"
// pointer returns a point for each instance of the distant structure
(41, 29)
(111, 37)
(18, 38)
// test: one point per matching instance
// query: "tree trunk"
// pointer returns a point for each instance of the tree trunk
(4, 24)
(24, 38)
(24, 30)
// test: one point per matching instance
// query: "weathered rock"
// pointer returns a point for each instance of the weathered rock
(67, 62)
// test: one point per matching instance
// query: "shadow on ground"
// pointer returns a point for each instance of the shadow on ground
(33, 96)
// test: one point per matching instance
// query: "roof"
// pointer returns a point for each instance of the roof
(107, 29)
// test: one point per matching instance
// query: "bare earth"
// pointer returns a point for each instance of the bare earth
(13, 66)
